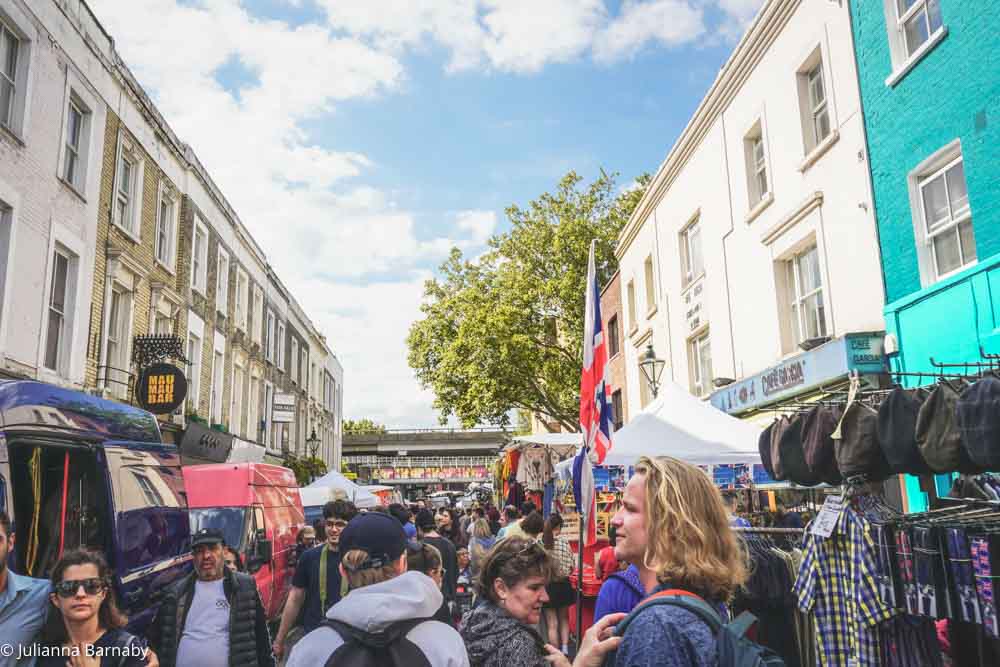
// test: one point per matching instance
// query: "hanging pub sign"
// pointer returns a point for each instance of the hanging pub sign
(160, 388)
(205, 444)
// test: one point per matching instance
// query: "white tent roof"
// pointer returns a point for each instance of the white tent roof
(333, 482)
(550, 439)
(680, 425)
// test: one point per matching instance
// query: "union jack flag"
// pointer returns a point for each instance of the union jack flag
(595, 410)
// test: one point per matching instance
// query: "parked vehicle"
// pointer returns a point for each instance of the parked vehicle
(80, 471)
(257, 508)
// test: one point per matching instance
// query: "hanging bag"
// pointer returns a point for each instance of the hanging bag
(735, 648)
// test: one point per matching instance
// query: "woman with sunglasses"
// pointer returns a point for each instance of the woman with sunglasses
(84, 627)
(501, 630)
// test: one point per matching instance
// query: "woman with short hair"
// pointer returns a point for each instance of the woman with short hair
(84, 621)
(479, 546)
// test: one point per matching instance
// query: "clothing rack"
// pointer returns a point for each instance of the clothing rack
(770, 531)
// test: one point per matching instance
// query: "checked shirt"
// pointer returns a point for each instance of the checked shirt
(837, 585)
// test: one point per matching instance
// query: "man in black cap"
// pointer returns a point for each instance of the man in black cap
(383, 620)
(214, 616)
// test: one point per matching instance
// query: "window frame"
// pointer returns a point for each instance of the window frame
(116, 361)
(132, 224)
(797, 300)
(270, 330)
(688, 276)
(696, 346)
(199, 260)
(614, 337)
(757, 168)
(167, 229)
(617, 409)
(279, 352)
(257, 315)
(633, 322)
(954, 222)
(818, 107)
(903, 19)
(294, 365)
(242, 306)
(222, 267)
(23, 32)
(236, 399)
(194, 369)
(649, 278)
(7, 115)
(60, 343)
(73, 155)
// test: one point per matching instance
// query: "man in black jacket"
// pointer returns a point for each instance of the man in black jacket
(212, 618)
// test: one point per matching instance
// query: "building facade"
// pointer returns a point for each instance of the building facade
(611, 312)
(755, 242)
(935, 172)
(121, 233)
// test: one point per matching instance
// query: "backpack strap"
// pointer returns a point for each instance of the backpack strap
(374, 640)
(677, 598)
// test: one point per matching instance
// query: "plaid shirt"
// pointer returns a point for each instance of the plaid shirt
(837, 584)
(563, 561)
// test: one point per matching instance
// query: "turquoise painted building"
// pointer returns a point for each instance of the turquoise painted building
(929, 73)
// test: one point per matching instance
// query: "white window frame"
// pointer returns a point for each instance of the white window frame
(242, 306)
(253, 407)
(934, 167)
(257, 315)
(16, 26)
(128, 218)
(7, 238)
(222, 281)
(218, 389)
(758, 170)
(918, 7)
(818, 107)
(194, 351)
(166, 229)
(304, 367)
(798, 299)
(649, 280)
(700, 386)
(269, 334)
(117, 362)
(64, 316)
(903, 58)
(633, 323)
(266, 415)
(814, 68)
(691, 271)
(236, 423)
(76, 149)
(199, 265)
(294, 370)
(279, 354)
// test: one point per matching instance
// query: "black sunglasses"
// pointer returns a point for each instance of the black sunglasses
(67, 589)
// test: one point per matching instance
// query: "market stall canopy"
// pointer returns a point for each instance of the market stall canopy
(683, 426)
(563, 444)
(336, 485)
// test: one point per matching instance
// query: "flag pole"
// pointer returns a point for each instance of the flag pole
(579, 579)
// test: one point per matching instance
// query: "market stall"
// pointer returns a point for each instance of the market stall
(334, 485)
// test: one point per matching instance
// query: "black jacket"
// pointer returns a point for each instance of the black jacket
(249, 641)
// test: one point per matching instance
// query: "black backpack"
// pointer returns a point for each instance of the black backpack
(735, 648)
(388, 648)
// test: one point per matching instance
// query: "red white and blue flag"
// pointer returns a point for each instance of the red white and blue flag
(595, 409)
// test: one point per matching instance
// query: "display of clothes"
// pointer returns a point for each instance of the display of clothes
(775, 560)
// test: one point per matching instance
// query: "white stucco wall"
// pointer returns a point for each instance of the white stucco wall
(706, 175)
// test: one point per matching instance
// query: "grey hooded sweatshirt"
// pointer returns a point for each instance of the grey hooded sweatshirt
(373, 608)
(494, 638)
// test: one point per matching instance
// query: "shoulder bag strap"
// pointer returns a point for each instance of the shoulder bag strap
(322, 581)
(677, 598)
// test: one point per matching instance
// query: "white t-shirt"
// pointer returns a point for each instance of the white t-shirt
(205, 639)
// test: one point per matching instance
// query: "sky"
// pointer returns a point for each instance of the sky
(360, 140)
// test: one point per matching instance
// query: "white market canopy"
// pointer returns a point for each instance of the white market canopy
(680, 425)
(333, 485)
(550, 439)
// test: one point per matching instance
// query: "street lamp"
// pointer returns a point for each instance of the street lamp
(312, 442)
(652, 369)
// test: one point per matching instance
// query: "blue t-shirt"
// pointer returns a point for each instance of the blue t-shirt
(307, 578)
(410, 530)
(667, 636)
(24, 605)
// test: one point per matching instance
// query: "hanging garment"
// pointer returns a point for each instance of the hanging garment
(910, 641)
(836, 584)
(886, 567)
(932, 590)
(533, 467)
(963, 577)
(547, 498)
(983, 568)
(904, 558)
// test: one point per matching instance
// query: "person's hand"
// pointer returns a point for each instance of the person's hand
(151, 659)
(278, 647)
(555, 657)
(598, 641)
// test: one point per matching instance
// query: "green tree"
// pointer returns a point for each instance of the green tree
(359, 426)
(505, 331)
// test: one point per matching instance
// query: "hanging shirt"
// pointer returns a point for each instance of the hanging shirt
(205, 639)
(836, 584)
(534, 468)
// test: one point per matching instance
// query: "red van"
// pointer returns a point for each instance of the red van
(258, 509)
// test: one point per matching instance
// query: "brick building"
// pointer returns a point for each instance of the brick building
(611, 312)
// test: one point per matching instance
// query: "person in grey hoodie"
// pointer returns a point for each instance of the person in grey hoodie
(381, 593)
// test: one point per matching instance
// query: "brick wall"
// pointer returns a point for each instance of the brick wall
(952, 93)
(611, 307)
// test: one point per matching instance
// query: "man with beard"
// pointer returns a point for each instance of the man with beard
(24, 603)
(213, 617)
(317, 583)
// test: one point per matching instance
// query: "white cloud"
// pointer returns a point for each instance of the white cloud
(668, 22)
(480, 224)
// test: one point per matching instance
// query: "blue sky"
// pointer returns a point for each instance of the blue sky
(360, 139)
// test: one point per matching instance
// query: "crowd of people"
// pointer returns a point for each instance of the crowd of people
(384, 587)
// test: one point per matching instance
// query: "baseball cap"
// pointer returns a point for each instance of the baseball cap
(764, 446)
(207, 536)
(897, 431)
(817, 427)
(379, 535)
(979, 422)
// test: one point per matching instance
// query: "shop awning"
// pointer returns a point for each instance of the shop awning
(333, 485)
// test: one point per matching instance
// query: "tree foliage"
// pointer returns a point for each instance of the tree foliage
(361, 426)
(505, 331)
(306, 469)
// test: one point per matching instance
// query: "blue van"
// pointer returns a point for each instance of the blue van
(81, 471)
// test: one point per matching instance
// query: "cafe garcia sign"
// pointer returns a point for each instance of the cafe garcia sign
(861, 352)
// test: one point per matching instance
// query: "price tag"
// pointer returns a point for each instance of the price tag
(827, 520)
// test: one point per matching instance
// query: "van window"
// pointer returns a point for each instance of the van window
(151, 507)
(228, 520)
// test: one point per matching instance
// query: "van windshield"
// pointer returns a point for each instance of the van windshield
(228, 520)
